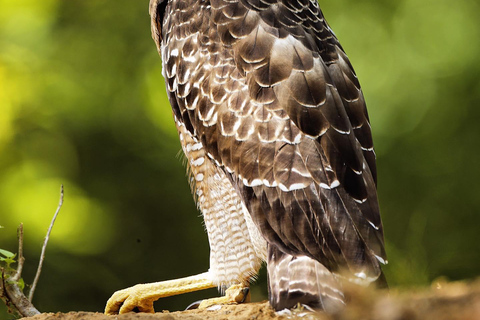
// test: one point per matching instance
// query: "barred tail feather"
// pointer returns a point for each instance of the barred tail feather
(300, 279)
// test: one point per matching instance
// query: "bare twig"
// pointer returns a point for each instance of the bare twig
(42, 255)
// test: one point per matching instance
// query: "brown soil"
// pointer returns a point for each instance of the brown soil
(452, 301)
(259, 311)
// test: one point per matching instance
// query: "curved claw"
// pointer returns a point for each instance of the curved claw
(193, 305)
(246, 295)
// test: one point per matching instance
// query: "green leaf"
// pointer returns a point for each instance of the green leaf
(8, 257)
(7, 254)
(21, 284)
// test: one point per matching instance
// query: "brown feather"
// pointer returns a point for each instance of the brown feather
(265, 87)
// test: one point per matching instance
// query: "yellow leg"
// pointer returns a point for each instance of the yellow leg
(142, 296)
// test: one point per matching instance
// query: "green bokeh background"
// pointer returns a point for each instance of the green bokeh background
(82, 102)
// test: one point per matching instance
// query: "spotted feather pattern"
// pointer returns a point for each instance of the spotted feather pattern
(266, 90)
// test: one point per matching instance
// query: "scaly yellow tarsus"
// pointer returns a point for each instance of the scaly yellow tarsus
(142, 296)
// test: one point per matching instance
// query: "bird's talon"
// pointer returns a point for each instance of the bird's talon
(246, 295)
(193, 305)
(238, 293)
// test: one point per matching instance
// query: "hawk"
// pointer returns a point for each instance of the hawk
(273, 123)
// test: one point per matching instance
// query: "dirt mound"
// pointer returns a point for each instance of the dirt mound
(258, 311)
(443, 301)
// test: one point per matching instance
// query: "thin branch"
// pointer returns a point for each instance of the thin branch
(42, 255)
(21, 258)
(10, 291)
(14, 297)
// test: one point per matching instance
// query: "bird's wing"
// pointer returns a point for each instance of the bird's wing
(277, 104)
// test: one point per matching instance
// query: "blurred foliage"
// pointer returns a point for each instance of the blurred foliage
(83, 103)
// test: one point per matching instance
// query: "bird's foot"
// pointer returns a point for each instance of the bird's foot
(142, 296)
(129, 299)
(235, 294)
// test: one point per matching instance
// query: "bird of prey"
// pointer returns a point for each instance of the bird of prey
(273, 123)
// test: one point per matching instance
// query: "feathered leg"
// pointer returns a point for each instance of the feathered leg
(300, 279)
